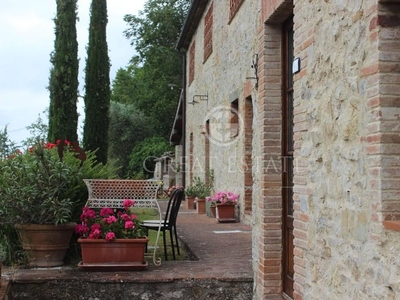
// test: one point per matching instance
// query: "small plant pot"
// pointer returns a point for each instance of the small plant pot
(190, 202)
(201, 206)
(213, 211)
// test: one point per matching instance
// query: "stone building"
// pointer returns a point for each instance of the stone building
(295, 106)
(164, 169)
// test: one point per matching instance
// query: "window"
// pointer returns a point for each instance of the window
(208, 26)
(234, 118)
(234, 7)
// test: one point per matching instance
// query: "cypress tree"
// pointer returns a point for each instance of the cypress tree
(97, 83)
(63, 82)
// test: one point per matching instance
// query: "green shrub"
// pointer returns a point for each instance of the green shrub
(44, 187)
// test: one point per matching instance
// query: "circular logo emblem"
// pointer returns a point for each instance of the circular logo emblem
(225, 125)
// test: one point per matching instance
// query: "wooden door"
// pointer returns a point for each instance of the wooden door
(287, 156)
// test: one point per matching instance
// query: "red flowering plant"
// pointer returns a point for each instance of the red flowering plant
(110, 224)
(39, 185)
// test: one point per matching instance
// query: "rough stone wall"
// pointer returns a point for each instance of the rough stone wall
(345, 134)
(342, 250)
(96, 289)
(222, 77)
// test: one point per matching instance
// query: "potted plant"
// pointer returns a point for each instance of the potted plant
(190, 194)
(200, 190)
(112, 239)
(225, 203)
(211, 201)
(36, 192)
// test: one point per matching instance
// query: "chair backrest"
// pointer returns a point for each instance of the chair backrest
(112, 192)
(174, 204)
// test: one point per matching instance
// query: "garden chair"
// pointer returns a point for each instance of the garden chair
(168, 224)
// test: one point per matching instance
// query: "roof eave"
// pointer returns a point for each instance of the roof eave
(192, 21)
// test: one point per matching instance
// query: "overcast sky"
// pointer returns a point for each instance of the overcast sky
(27, 39)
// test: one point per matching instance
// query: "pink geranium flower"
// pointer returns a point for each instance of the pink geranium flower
(95, 226)
(95, 234)
(224, 197)
(110, 236)
(105, 212)
(129, 224)
(82, 229)
(110, 219)
(87, 214)
(128, 203)
(125, 217)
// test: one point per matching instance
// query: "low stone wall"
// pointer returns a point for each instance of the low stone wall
(112, 290)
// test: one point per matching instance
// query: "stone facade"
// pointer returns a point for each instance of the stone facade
(346, 96)
(218, 81)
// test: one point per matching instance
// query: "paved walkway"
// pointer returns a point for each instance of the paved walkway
(223, 251)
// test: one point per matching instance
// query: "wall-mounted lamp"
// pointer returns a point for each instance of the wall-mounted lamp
(203, 97)
(172, 85)
(254, 65)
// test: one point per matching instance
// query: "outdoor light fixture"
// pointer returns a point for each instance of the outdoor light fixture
(254, 65)
(172, 85)
(203, 97)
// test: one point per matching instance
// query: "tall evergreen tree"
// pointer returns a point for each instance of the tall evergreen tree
(63, 85)
(97, 83)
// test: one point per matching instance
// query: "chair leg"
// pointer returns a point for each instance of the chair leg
(176, 239)
(172, 243)
(165, 245)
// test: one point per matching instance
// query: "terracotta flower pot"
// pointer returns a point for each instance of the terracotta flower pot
(118, 254)
(45, 245)
(226, 212)
(201, 206)
(190, 202)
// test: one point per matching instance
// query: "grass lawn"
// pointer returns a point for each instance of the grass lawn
(152, 214)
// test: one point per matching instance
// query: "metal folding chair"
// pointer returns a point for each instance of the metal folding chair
(168, 224)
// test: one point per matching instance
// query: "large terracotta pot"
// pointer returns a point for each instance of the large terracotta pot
(190, 202)
(226, 212)
(118, 254)
(45, 245)
(201, 206)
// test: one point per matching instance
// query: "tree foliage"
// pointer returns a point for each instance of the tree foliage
(141, 164)
(154, 34)
(63, 83)
(128, 126)
(97, 83)
(7, 146)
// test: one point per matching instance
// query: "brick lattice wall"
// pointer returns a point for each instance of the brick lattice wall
(208, 33)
